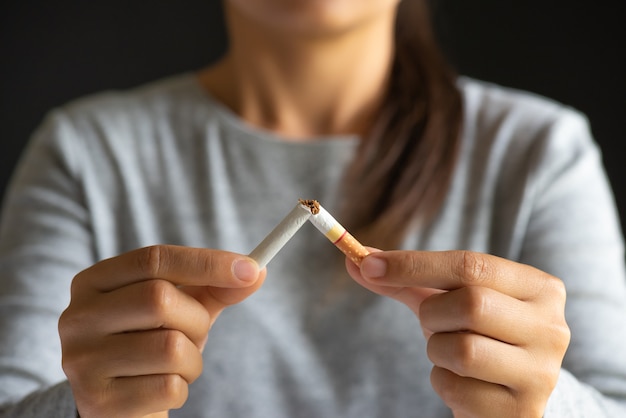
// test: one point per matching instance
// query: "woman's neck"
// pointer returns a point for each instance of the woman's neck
(305, 86)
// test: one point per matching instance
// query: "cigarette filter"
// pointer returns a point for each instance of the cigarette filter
(335, 232)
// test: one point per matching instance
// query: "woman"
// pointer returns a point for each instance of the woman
(151, 198)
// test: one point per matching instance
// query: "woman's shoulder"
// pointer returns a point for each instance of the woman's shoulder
(146, 100)
(488, 103)
(164, 111)
(124, 124)
(496, 115)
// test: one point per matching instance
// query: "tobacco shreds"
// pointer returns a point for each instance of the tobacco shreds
(313, 205)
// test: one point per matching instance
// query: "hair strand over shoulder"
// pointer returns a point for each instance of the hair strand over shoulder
(403, 168)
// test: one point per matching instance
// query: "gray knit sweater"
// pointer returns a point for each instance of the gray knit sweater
(165, 163)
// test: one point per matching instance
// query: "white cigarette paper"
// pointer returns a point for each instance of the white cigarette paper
(280, 235)
(323, 221)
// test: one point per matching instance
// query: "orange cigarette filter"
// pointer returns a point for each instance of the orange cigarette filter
(335, 232)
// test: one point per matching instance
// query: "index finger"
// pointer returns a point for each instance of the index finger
(182, 266)
(449, 270)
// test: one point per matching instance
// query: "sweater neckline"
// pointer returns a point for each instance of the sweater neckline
(233, 120)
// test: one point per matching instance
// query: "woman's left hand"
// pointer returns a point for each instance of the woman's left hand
(496, 329)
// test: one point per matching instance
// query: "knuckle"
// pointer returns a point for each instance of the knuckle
(554, 291)
(414, 267)
(66, 323)
(210, 262)
(544, 381)
(560, 337)
(472, 268)
(527, 409)
(408, 266)
(150, 260)
(82, 369)
(75, 285)
(554, 288)
(173, 346)
(447, 387)
(194, 373)
(161, 296)
(173, 389)
(551, 289)
(467, 354)
(546, 377)
(476, 306)
(70, 366)
(566, 335)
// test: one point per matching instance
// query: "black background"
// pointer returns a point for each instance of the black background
(54, 51)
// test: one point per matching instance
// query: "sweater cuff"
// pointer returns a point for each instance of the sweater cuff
(574, 399)
(55, 401)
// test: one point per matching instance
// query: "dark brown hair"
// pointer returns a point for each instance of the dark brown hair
(403, 168)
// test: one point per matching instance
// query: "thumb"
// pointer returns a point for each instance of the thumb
(410, 296)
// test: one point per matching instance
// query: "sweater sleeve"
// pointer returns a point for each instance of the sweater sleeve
(574, 234)
(572, 398)
(44, 242)
(54, 401)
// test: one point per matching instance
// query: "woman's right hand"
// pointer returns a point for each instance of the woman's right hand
(133, 334)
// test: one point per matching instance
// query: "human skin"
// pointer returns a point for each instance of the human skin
(496, 330)
(323, 76)
(129, 324)
(300, 69)
(133, 333)
(311, 18)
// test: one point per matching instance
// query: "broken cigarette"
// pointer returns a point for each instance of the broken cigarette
(279, 236)
(335, 232)
(323, 221)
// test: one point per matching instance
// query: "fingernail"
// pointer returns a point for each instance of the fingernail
(245, 270)
(373, 267)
